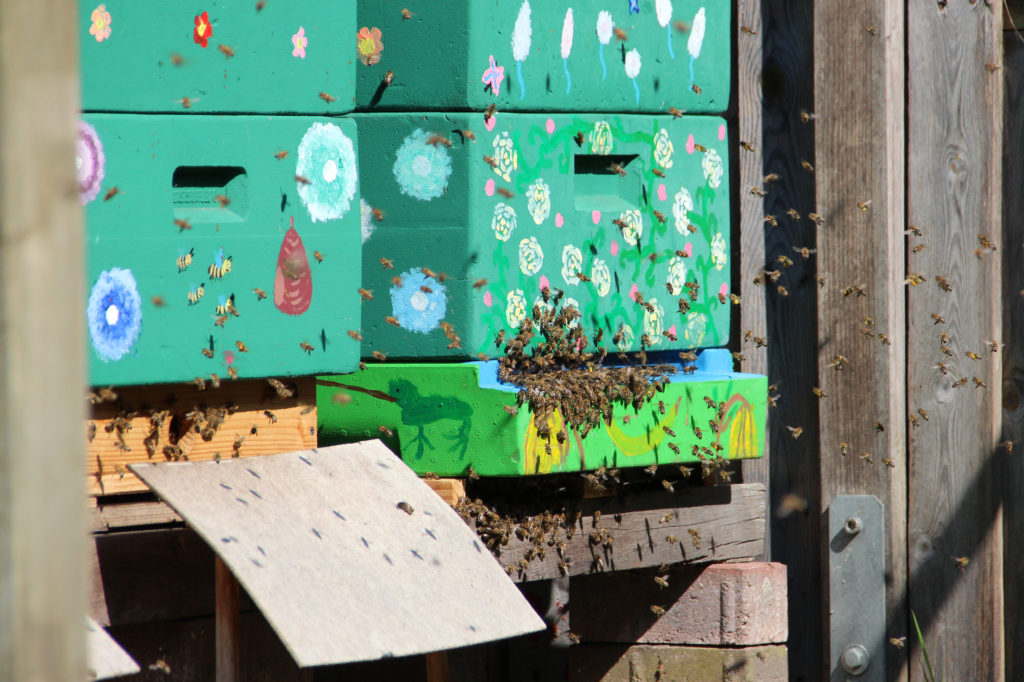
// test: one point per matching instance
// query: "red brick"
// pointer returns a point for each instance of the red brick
(717, 605)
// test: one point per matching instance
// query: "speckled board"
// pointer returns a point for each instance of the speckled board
(588, 55)
(446, 418)
(524, 201)
(175, 56)
(206, 255)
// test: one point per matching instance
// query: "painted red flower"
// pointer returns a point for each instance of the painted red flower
(203, 29)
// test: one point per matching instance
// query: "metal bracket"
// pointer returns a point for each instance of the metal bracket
(856, 587)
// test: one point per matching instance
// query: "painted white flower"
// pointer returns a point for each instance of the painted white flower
(522, 33)
(693, 45)
(634, 225)
(366, 223)
(538, 200)
(506, 158)
(663, 149)
(664, 10)
(504, 221)
(654, 322)
(677, 274)
(633, 63)
(718, 250)
(681, 207)
(601, 277)
(605, 27)
(567, 30)
(515, 308)
(626, 337)
(712, 166)
(572, 263)
(531, 256)
(327, 159)
(695, 326)
(601, 138)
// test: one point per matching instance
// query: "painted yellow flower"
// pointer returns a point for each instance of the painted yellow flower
(538, 200)
(634, 226)
(663, 149)
(572, 264)
(601, 138)
(626, 338)
(506, 158)
(713, 169)
(718, 250)
(695, 327)
(515, 308)
(654, 321)
(601, 276)
(531, 256)
(677, 273)
(504, 221)
(100, 28)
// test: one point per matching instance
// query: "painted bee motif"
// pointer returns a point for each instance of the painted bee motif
(184, 259)
(195, 293)
(220, 266)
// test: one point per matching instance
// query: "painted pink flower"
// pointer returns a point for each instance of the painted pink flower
(100, 28)
(672, 331)
(493, 76)
(488, 299)
(688, 249)
(550, 126)
(559, 220)
(690, 144)
(615, 248)
(544, 283)
(724, 289)
(595, 215)
(489, 187)
(300, 41)
(661, 192)
(633, 291)
(721, 132)
(489, 122)
(229, 357)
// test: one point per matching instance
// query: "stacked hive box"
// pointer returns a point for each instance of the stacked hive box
(223, 236)
(508, 147)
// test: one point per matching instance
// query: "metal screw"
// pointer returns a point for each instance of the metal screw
(853, 525)
(855, 659)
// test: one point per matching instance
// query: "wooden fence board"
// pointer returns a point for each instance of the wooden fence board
(954, 142)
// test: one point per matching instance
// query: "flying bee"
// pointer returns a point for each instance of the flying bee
(425, 289)
(795, 431)
(943, 283)
(657, 171)
(111, 193)
(378, 356)
(671, 539)
(959, 382)
(222, 200)
(225, 304)
(356, 336)
(695, 537)
(620, 34)
(746, 146)
(386, 264)
(439, 140)
(233, 373)
(771, 220)
(389, 77)
(785, 261)
(898, 642)
(676, 113)
(328, 98)
(582, 277)
(182, 225)
(195, 293)
(818, 392)
(226, 51)
(972, 355)
(479, 283)
(260, 294)
(281, 154)
(207, 353)
(386, 431)
(804, 252)
(302, 180)
(467, 135)
(490, 111)
(505, 193)
(961, 562)
(365, 294)
(699, 147)
(242, 348)
(695, 88)
(667, 485)
(864, 205)
(393, 321)
(220, 266)
(617, 169)
(319, 256)
(756, 191)
(306, 347)
(657, 610)
(807, 165)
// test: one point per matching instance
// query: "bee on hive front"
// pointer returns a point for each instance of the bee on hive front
(220, 266)
(225, 304)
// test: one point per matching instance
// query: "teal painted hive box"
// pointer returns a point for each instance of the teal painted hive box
(629, 215)
(591, 55)
(206, 255)
(448, 418)
(222, 56)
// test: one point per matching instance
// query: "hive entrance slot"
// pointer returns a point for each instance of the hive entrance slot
(208, 194)
(606, 182)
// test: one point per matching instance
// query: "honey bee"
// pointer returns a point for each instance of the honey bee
(674, 448)
(746, 146)
(985, 242)
(389, 77)
(757, 191)
(671, 539)
(979, 383)
(938, 319)
(220, 265)
(302, 180)
(386, 431)
(226, 51)
(617, 169)
(785, 261)
(490, 111)
(319, 256)
(328, 98)
(386, 264)
(182, 225)
(676, 113)
(864, 205)
(879, 427)
(237, 445)
(943, 283)
(695, 537)
(226, 305)
(207, 352)
(699, 147)
(695, 88)
(804, 252)
(186, 102)
(898, 642)
(657, 171)
(281, 154)
(177, 59)
(620, 34)
(818, 392)
(425, 289)
(990, 67)
(961, 562)
(195, 293)
(792, 213)
(306, 347)
(378, 214)
(667, 485)
(972, 355)
(467, 135)
(854, 289)
(355, 335)
(505, 193)
(871, 29)
(439, 140)
(795, 431)
(222, 200)
(406, 507)
(365, 294)
(959, 382)
(771, 220)
(657, 610)
(923, 413)
(378, 356)
(393, 321)
(111, 193)
(406, 15)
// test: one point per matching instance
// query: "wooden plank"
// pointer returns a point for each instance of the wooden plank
(97, 609)
(728, 520)
(105, 657)
(112, 517)
(753, 317)
(292, 426)
(227, 629)
(449, 489)
(1012, 469)
(787, 84)
(954, 187)
(437, 666)
(325, 544)
(42, 528)
(616, 662)
(859, 78)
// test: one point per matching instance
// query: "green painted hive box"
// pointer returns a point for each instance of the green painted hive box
(591, 55)
(206, 256)
(610, 209)
(222, 56)
(448, 418)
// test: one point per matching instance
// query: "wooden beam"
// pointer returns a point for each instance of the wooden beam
(437, 666)
(858, 171)
(114, 517)
(1012, 469)
(954, 192)
(449, 489)
(696, 525)
(752, 317)
(228, 634)
(42, 361)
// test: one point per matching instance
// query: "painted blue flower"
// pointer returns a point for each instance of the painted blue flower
(422, 169)
(493, 76)
(114, 313)
(327, 164)
(634, 6)
(418, 310)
